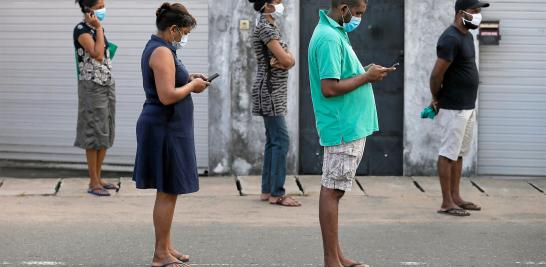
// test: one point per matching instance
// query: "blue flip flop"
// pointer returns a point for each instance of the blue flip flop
(98, 191)
(110, 186)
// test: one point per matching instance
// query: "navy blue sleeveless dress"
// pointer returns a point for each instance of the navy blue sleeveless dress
(165, 158)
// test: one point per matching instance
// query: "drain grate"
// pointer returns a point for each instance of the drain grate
(418, 186)
(119, 185)
(477, 186)
(58, 186)
(361, 187)
(239, 186)
(536, 187)
(300, 185)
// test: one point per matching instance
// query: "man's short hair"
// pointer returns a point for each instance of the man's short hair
(350, 3)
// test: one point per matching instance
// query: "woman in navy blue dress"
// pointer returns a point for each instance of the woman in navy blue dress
(165, 158)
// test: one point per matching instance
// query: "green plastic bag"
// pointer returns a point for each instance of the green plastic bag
(113, 48)
(428, 113)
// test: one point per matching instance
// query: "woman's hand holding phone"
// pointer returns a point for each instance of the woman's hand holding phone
(92, 20)
(199, 85)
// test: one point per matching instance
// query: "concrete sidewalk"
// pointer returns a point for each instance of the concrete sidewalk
(376, 199)
(295, 185)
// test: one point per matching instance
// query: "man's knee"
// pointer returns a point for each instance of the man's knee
(445, 159)
(334, 193)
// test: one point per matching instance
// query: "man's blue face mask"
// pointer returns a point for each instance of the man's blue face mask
(353, 24)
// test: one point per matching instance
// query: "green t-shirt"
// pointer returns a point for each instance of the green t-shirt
(345, 118)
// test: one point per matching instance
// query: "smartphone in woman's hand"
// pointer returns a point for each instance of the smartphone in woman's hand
(89, 10)
(212, 77)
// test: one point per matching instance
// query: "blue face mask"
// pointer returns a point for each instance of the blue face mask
(353, 24)
(100, 13)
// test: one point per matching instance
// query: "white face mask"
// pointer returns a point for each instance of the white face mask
(475, 22)
(279, 10)
(183, 42)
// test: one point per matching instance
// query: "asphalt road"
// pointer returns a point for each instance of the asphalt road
(427, 244)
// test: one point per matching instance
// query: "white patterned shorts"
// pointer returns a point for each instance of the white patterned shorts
(457, 130)
(340, 164)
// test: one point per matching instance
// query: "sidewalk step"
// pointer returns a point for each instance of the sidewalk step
(389, 186)
(252, 185)
(29, 187)
(77, 187)
(507, 188)
(312, 184)
(217, 186)
(539, 184)
(432, 188)
(128, 189)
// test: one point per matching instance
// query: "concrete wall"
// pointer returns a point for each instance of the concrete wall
(425, 20)
(236, 138)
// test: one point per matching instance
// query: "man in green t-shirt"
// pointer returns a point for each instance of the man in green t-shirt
(345, 112)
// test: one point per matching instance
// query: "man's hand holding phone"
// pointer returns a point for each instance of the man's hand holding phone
(376, 73)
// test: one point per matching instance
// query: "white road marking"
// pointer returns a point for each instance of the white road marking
(412, 263)
(43, 263)
(229, 264)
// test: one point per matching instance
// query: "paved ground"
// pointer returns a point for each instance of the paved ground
(52, 222)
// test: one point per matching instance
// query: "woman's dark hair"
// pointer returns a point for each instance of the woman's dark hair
(173, 14)
(259, 4)
(84, 4)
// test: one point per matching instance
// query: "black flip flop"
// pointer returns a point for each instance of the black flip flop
(457, 212)
(470, 206)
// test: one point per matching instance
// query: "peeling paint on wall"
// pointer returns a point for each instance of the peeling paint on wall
(425, 20)
(237, 138)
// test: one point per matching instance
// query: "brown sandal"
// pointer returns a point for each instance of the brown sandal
(281, 202)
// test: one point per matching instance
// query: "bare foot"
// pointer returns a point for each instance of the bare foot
(108, 186)
(449, 206)
(286, 201)
(265, 196)
(162, 259)
(333, 263)
(181, 257)
(351, 263)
